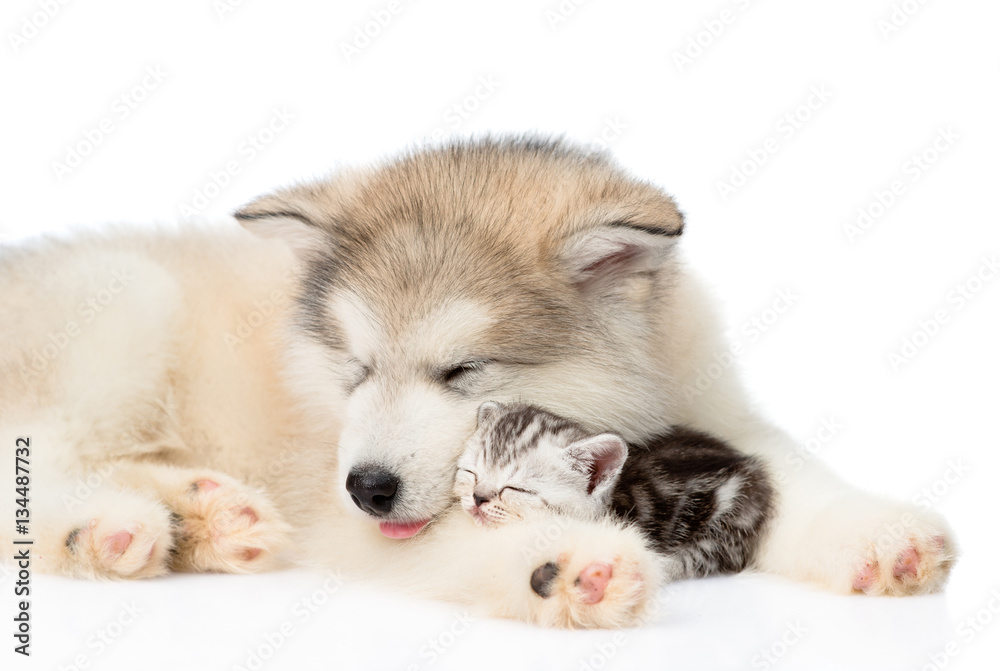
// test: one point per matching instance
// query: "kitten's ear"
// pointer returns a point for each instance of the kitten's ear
(601, 456)
(487, 411)
(601, 258)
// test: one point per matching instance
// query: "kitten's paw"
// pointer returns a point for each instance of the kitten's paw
(591, 588)
(913, 565)
(109, 548)
(223, 525)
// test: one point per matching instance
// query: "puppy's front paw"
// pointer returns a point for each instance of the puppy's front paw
(913, 564)
(877, 547)
(588, 587)
(223, 525)
(112, 548)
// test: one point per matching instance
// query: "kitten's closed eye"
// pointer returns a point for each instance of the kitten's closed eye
(465, 482)
(518, 489)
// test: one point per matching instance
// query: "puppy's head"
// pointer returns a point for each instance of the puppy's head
(503, 270)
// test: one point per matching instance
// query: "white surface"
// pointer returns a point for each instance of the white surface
(609, 66)
(211, 622)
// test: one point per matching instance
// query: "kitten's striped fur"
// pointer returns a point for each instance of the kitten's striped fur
(702, 504)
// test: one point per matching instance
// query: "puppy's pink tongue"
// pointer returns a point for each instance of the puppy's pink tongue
(401, 529)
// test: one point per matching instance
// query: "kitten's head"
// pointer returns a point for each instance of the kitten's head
(523, 460)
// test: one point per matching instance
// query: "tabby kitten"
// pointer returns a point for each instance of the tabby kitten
(702, 504)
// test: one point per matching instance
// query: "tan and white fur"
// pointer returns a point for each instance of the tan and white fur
(197, 397)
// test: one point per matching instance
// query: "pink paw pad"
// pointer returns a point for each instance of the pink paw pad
(593, 580)
(116, 544)
(864, 578)
(250, 514)
(251, 553)
(907, 564)
(206, 485)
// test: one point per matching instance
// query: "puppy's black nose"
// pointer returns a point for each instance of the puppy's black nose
(372, 490)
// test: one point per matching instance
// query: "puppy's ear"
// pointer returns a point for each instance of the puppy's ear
(602, 458)
(602, 258)
(301, 216)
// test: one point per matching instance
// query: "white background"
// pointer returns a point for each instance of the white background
(601, 68)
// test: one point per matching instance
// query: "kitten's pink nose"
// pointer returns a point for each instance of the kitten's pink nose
(480, 500)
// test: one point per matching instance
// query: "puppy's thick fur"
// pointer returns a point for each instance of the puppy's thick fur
(196, 397)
